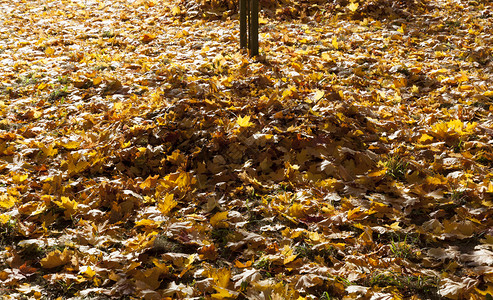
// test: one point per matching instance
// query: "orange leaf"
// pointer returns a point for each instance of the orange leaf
(25, 269)
(147, 37)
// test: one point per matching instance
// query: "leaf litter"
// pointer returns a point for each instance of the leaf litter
(142, 155)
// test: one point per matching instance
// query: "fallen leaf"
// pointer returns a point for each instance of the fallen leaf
(219, 219)
(244, 121)
(56, 258)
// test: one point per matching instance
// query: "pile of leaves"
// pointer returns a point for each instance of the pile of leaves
(143, 155)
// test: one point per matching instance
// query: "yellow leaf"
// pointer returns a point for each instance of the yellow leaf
(176, 157)
(425, 138)
(355, 213)
(19, 178)
(463, 77)
(402, 28)
(49, 51)
(400, 82)
(455, 125)
(244, 121)
(49, 150)
(378, 173)
(149, 182)
(176, 10)
(97, 80)
(4, 219)
(366, 236)
(56, 258)
(436, 180)
(188, 264)
(185, 179)
(222, 277)
(163, 267)
(222, 293)
(70, 145)
(88, 272)
(289, 258)
(166, 204)
(335, 44)
(314, 236)
(470, 127)
(318, 95)
(353, 6)
(7, 201)
(117, 105)
(78, 167)
(326, 56)
(440, 129)
(490, 188)
(68, 205)
(147, 223)
(218, 220)
(395, 226)
(488, 291)
(466, 87)
(297, 210)
(288, 255)
(42, 86)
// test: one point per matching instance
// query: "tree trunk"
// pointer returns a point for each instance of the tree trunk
(243, 24)
(254, 27)
(249, 26)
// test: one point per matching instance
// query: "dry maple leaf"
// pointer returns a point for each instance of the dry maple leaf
(56, 258)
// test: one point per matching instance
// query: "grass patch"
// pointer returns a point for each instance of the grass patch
(409, 284)
(57, 94)
(396, 167)
(401, 249)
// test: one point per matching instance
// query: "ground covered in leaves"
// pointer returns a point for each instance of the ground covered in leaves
(144, 156)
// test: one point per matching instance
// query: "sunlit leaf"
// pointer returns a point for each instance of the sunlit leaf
(244, 121)
(49, 51)
(176, 10)
(318, 94)
(7, 201)
(87, 271)
(222, 293)
(4, 219)
(70, 206)
(56, 258)
(425, 138)
(335, 44)
(353, 6)
(166, 204)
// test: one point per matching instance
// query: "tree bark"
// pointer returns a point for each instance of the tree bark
(249, 10)
(243, 24)
(254, 27)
